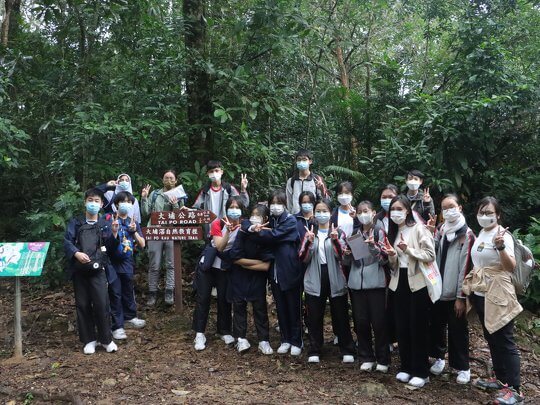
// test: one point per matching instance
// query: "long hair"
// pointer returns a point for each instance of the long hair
(409, 219)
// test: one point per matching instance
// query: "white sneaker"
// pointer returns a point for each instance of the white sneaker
(313, 359)
(348, 358)
(367, 366)
(381, 368)
(214, 292)
(242, 345)
(295, 350)
(418, 382)
(403, 377)
(228, 339)
(90, 348)
(463, 376)
(336, 340)
(119, 334)
(200, 341)
(265, 348)
(111, 347)
(284, 348)
(437, 367)
(136, 323)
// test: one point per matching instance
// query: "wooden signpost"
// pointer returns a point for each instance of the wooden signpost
(177, 226)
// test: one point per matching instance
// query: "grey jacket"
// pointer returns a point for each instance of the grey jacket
(367, 274)
(204, 201)
(309, 253)
(458, 262)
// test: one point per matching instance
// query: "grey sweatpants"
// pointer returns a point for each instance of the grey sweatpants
(156, 249)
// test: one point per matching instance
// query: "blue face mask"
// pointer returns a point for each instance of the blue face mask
(123, 185)
(307, 207)
(302, 165)
(234, 213)
(322, 217)
(92, 207)
(385, 203)
(124, 208)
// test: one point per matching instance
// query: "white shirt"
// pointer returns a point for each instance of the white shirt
(322, 235)
(345, 222)
(402, 256)
(215, 199)
(230, 242)
(484, 254)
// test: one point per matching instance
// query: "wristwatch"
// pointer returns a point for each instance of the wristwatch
(502, 247)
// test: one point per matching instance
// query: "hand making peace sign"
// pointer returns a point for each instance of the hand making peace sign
(243, 182)
(427, 196)
(145, 191)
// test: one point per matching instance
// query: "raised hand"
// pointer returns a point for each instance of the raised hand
(431, 223)
(309, 234)
(243, 182)
(427, 196)
(145, 191)
(261, 227)
(388, 248)
(132, 225)
(402, 245)
(498, 240)
(115, 224)
(319, 183)
(112, 183)
(334, 233)
(229, 225)
(371, 238)
(352, 211)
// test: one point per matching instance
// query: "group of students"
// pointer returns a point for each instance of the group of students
(300, 245)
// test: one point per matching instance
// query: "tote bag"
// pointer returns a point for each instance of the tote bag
(433, 279)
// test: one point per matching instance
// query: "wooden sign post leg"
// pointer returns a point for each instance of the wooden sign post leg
(178, 301)
(18, 328)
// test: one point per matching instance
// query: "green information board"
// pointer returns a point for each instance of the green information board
(22, 259)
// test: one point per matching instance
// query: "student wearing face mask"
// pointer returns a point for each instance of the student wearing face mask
(112, 188)
(387, 193)
(344, 216)
(154, 201)
(285, 272)
(305, 217)
(491, 292)
(322, 250)
(248, 280)
(121, 291)
(453, 242)
(223, 233)
(407, 244)
(303, 179)
(215, 194)
(421, 201)
(367, 288)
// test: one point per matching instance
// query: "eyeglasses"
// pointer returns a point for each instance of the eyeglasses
(488, 213)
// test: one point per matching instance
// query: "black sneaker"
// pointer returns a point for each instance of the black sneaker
(508, 396)
(489, 384)
(152, 296)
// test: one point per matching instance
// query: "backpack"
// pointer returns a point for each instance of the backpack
(525, 264)
(89, 240)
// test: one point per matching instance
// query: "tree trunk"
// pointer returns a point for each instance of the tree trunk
(199, 113)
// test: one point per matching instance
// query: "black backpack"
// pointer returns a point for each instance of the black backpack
(89, 240)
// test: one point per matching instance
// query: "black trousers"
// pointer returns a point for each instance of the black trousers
(369, 313)
(502, 346)
(289, 312)
(205, 281)
(411, 311)
(260, 317)
(92, 303)
(122, 298)
(339, 310)
(443, 317)
(390, 318)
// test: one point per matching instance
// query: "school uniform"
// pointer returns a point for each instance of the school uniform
(412, 304)
(215, 199)
(324, 279)
(217, 276)
(91, 298)
(295, 186)
(421, 210)
(454, 262)
(367, 288)
(285, 275)
(121, 291)
(248, 286)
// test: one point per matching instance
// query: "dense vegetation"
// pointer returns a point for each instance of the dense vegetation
(89, 89)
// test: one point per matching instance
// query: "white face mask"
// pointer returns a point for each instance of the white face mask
(255, 220)
(451, 214)
(214, 176)
(413, 185)
(398, 217)
(486, 221)
(365, 218)
(344, 199)
(276, 209)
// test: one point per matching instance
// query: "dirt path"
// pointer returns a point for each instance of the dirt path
(158, 365)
